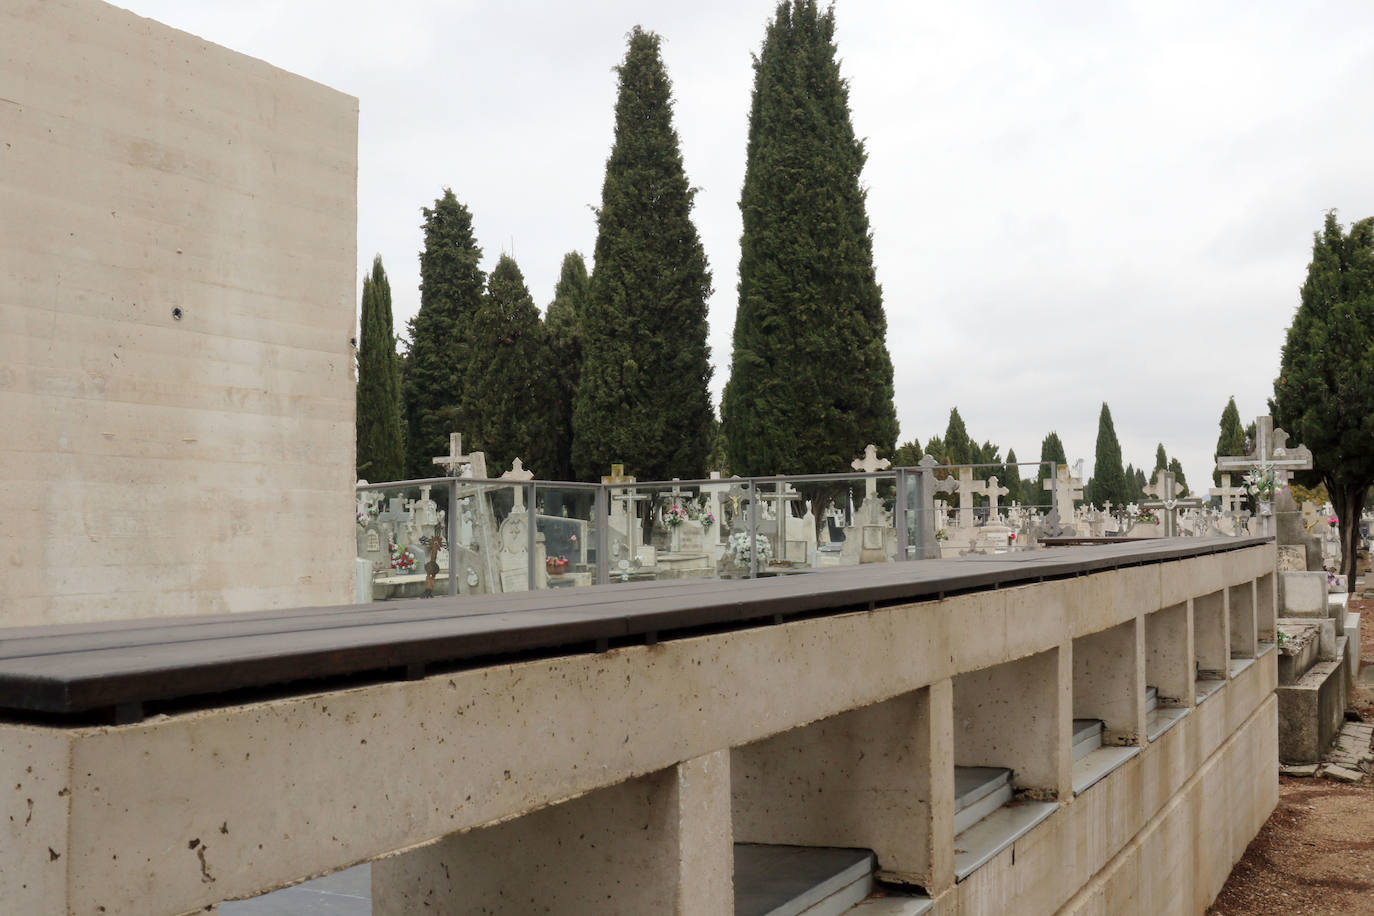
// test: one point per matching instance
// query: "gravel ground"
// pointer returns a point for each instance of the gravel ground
(1315, 854)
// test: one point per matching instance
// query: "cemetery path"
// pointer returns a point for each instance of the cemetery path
(1315, 854)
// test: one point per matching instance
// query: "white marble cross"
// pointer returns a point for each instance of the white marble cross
(781, 497)
(988, 489)
(628, 496)
(455, 460)
(1271, 453)
(1231, 497)
(870, 463)
(519, 475)
(1066, 489)
(1166, 498)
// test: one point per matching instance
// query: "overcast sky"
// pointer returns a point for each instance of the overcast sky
(1071, 202)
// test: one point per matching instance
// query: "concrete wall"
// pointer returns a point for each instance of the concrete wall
(151, 465)
(230, 802)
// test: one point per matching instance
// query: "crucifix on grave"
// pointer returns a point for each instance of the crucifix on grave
(987, 489)
(455, 460)
(518, 475)
(627, 496)
(1272, 457)
(675, 502)
(783, 495)
(737, 494)
(870, 463)
(1272, 452)
(924, 524)
(1065, 489)
(1232, 498)
(1164, 489)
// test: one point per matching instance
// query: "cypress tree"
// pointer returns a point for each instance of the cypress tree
(959, 447)
(1013, 478)
(1109, 477)
(1051, 449)
(908, 454)
(564, 323)
(1324, 395)
(1180, 481)
(1161, 460)
(642, 396)
(509, 398)
(451, 288)
(811, 379)
(1232, 438)
(380, 444)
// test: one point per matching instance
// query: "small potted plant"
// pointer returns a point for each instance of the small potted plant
(556, 566)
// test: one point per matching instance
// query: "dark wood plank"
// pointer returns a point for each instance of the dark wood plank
(71, 669)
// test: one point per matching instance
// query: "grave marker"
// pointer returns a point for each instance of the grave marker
(1166, 499)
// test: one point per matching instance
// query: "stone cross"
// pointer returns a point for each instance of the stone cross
(1065, 490)
(519, 475)
(1166, 498)
(782, 496)
(1231, 497)
(1271, 453)
(870, 463)
(927, 523)
(969, 487)
(455, 460)
(738, 493)
(628, 496)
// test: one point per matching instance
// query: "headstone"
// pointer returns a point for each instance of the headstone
(455, 461)
(1065, 490)
(1168, 501)
(870, 463)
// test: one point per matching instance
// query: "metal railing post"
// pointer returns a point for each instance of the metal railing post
(899, 515)
(453, 536)
(603, 541)
(753, 529)
(533, 518)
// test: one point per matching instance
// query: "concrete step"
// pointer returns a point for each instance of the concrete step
(792, 880)
(1087, 737)
(1151, 700)
(979, 791)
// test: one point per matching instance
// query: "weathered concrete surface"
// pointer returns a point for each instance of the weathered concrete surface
(152, 465)
(657, 844)
(1312, 709)
(878, 778)
(231, 802)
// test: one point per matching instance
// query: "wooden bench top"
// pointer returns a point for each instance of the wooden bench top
(110, 671)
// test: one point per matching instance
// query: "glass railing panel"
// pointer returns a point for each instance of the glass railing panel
(402, 538)
(566, 521)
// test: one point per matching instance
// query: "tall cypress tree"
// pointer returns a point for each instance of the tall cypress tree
(451, 288)
(1109, 477)
(642, 397)
(1324, 395)
(959, 447)
(564, 323)
(1051, 449)
(1232, 438)
(381, 445)
(1161, 460)
(509, 397)
(810, 379)
(1180, 481)
(1013, 478)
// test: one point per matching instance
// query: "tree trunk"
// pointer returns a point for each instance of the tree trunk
(1348, 500)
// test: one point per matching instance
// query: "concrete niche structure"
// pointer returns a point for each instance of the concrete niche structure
(176, 307)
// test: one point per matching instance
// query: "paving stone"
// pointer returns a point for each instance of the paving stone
(1304, 769)
(1341, 774)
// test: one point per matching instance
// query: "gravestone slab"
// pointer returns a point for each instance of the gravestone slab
(1303, 594)
(1292, 558)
